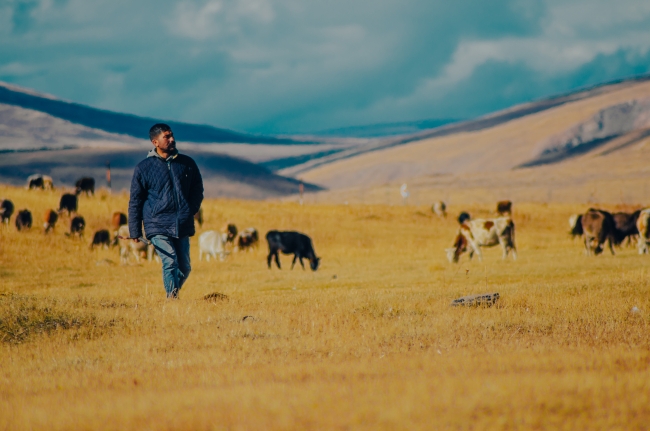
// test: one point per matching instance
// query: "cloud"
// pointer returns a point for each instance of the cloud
(295, 66)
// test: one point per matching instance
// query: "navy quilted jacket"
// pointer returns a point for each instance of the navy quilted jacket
(165, 195)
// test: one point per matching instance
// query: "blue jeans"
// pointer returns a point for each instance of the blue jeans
(175, 256)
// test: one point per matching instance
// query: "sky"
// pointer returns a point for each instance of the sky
(300, 66)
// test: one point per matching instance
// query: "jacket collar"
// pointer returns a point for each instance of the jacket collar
(154, 153)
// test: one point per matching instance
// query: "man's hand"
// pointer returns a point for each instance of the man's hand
(136, 240)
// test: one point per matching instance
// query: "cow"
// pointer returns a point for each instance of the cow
(85, 185)
(230, 230)
(295, 243)
(101, 238)
(6, 211)
(625, 226)
(23, 220)
(77, 227)
(439, 208)
(118, 219)
(38, 181)
(68, 203)
(128, 246)
(49, 220)
(598, 227)
(575, 225)
(247, 239)
(643, 227)
(198, 217)
(211, 243)
(504, 208)
(474, 234)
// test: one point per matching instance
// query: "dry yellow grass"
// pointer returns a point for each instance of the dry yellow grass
(367, 342)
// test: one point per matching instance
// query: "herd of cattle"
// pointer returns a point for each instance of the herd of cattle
(212, 244)
(596, 227)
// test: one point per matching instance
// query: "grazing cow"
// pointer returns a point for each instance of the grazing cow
(643, 226)
(77, 227)
(23, 220)
(211, 243)
(35, 182)
(85, 185)
(247, 239)
(101, 238)
(439, 208)
(295, 243)
(198, 217)
(598, 227)
(504, 208)
(138, 249)
(48, 183)
(625, 226)
(463, 217)
(6, 211)
(68, 203)
(118, 219)
(230, 230)
(575, 224)
(49, 220)
(474, 234)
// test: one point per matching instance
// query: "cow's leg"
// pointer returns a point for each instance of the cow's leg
(293, 263)
(611, 247)
(269, 258)
(301, 264)
(277, 259)
(641, 245)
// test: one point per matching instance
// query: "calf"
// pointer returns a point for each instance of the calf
(77, 227)
(230, 230)
(101, 238)
(85, 185)
(474, 234)
(575, 224)
(598, 227)
(49, 220)
(247, 239)
(23, 220)
(68, 203)
(295, 243)
(6, 211)
(625, 226)
(211, 243)
(137, 249)
(439, 208)
(504, 208)
(643, 226)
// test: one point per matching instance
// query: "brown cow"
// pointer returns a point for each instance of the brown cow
(625, 224)
(230, 230)
(117, 219)
(49, 220)
(23, 220)
(247, 239)
(504, 208)
(598, 227)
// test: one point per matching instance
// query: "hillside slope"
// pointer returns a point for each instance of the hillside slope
(491, 148)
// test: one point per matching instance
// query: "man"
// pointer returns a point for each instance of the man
(166, 192)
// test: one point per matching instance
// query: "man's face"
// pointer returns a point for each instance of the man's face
(165, 141)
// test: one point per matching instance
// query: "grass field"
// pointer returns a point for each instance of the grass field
(369, 341)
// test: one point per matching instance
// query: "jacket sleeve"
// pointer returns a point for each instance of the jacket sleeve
(136, 203)
(196, 191)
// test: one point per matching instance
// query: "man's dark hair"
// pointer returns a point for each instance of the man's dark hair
(157, 129)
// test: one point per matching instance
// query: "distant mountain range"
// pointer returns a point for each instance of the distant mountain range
(385, 129)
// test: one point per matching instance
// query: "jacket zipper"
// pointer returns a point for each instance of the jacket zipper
(171, 178)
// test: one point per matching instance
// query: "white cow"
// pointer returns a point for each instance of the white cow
(474, 234)
(439, 208)
(137, 249)
(212, 244)
(643, 225)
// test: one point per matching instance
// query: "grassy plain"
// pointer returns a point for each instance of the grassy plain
(369, 341)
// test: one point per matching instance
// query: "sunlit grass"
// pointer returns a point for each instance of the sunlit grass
(368, 341)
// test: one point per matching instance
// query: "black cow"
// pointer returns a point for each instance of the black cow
(101, 237)
(35, 182)
(77, 226)
(294, 243)
(625, 226)
(23, 220)
(68, 203)
(6, 210)
(85, 185)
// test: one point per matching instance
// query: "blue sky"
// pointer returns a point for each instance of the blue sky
(291, 66)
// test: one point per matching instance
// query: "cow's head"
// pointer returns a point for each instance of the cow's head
(460, 246)
(314, 262)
